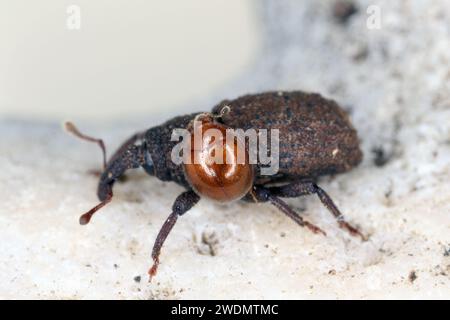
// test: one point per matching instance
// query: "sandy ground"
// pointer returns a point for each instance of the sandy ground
(394, 81)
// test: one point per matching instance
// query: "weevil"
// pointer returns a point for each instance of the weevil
(316, 138)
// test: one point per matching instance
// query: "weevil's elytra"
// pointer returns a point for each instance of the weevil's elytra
(316, 139)
(310, 131)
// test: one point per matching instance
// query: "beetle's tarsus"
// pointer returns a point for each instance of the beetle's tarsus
(314, 228)
(352, 230)
(329, 204)
(153, 270)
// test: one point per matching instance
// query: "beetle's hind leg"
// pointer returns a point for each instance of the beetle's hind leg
(303, 188)
(265, 194)
(182, 204)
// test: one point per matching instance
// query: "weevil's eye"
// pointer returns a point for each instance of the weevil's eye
(219, 168)
(148, 164)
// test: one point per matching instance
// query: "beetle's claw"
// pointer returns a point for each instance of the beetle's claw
(352, 230)
(314, 228)
(153, 270)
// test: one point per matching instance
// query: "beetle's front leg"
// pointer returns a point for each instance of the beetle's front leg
(182, 204)
(302, 188)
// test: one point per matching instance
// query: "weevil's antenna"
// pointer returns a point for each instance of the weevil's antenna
(71, 128)
(226, 109)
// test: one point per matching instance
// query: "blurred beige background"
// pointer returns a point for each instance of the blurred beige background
(128, 57)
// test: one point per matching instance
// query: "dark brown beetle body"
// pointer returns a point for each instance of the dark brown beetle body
(315, 138)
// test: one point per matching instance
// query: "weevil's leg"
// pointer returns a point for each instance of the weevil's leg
(182, 204)
(264, 194)
(283, 206)
(70, 127)
(303, 188)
